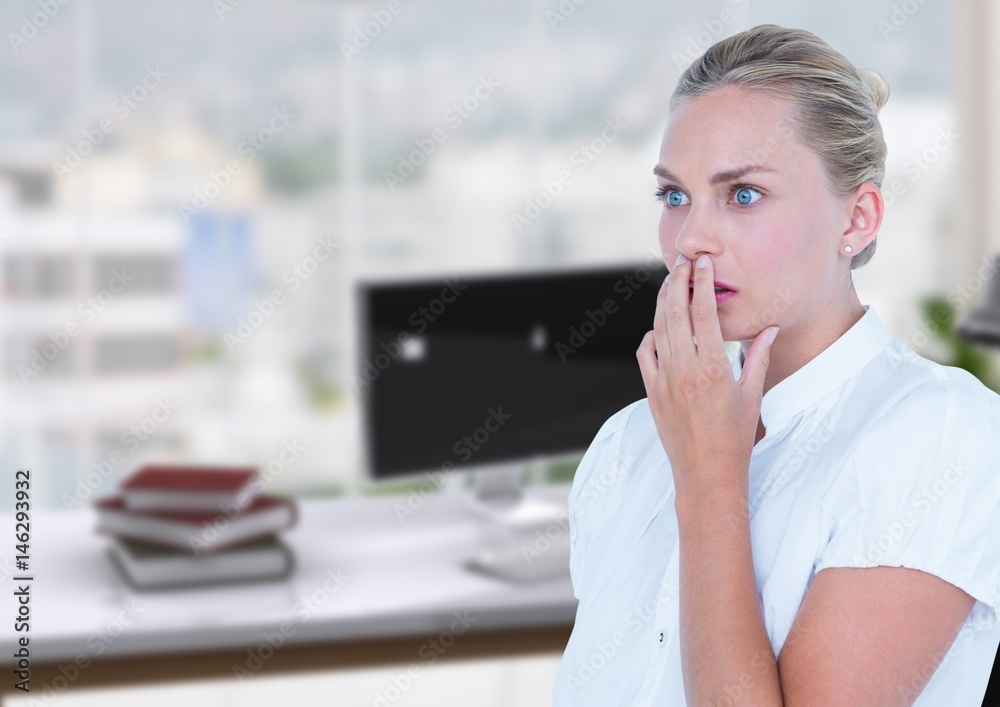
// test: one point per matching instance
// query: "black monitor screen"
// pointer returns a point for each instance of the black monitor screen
(460, 372)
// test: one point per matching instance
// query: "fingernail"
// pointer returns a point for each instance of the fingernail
(681, 259)
(774, 333)
(702, 261)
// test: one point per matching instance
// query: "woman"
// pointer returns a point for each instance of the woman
(812, 521)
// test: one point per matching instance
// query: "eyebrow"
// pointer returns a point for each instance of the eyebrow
(724, 177)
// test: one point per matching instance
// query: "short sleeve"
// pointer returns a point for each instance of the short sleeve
(922, 490)
(600, 462)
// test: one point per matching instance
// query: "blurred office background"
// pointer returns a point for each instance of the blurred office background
(207, 150)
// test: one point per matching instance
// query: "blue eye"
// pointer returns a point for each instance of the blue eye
(742, 195)
(671, 194)
(671, 197)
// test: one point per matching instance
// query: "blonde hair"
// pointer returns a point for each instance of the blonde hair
(835, 104)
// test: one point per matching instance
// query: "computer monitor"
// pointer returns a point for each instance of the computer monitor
(488, 373)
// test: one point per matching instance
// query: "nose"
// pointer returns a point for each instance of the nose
(697, 236)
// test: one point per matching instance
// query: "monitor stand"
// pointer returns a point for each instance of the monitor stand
(498, 487)
(522, 539)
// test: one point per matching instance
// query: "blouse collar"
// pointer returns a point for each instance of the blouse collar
(830, 369)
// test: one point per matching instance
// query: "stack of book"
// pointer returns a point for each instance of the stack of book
(179, 526)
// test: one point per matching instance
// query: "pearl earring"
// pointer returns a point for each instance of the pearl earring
(847, 249)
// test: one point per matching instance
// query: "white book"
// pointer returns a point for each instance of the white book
(148, 566)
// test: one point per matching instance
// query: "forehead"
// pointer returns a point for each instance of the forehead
(730, 126)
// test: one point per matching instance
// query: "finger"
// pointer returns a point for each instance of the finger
(705, 317)
(673, 330)
(649, 366)
(661, 344)
(755, 367)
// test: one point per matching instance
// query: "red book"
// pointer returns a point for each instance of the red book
(198, 533)
(191, 488)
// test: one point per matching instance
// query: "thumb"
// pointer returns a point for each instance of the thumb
(758, 359)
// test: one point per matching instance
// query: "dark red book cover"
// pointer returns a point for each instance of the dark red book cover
(190, 478)
(260, 503)
(199, 531)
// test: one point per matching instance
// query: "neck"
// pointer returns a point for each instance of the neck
(800, 342)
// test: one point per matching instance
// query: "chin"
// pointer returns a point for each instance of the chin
(741, 333)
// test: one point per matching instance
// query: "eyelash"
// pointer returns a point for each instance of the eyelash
(660, 193)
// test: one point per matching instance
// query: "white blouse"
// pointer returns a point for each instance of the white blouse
(873, 455)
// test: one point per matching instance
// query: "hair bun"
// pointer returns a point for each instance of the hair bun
(876, 86)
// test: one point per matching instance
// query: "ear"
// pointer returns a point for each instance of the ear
(865, 209)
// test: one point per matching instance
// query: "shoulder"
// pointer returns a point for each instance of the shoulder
(920, 488)
(929, 445)
(603, 454)
(921, 402)
(916, 372)
(625, 470)
(594, 489)
(933, 418)
(937, 404)
(618, 421)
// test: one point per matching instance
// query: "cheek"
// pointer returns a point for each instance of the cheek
(770, 244)
(665, 236)
(761, 256)
(781, 272)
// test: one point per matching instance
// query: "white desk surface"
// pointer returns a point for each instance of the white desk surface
(401, 579)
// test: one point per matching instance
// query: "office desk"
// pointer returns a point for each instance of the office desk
(400, 586)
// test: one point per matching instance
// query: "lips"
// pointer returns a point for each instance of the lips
(717, 283)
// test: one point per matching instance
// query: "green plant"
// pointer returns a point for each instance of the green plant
(969, 357)
(561, 472)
